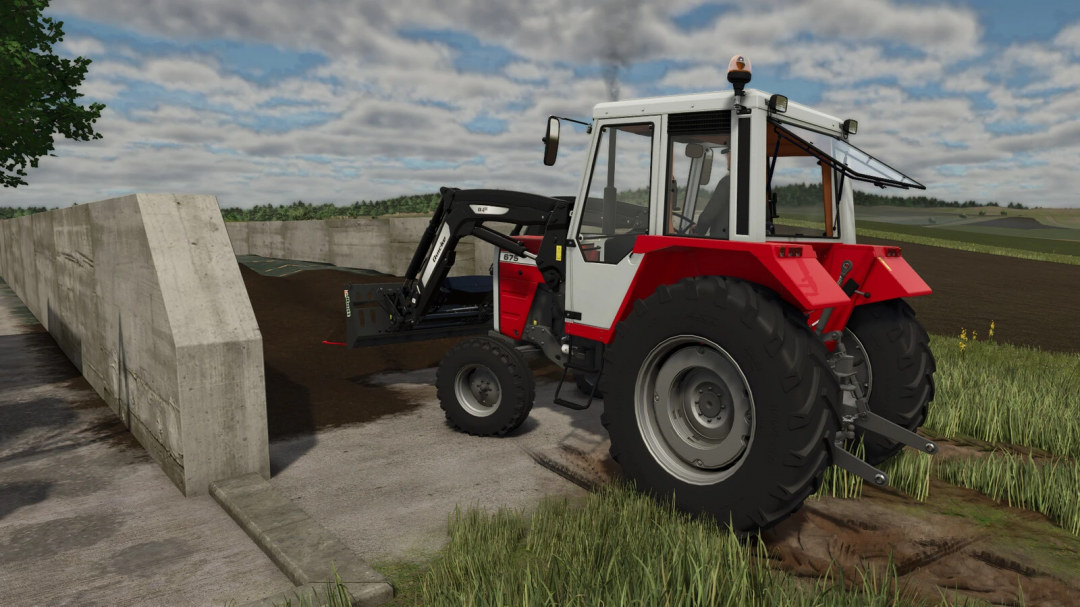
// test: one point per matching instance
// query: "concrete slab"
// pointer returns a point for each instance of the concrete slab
(385, 488)
(317, 595)
(86, 516)
(300, 547)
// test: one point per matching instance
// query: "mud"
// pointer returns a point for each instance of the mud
(958, 542)
(310, 384)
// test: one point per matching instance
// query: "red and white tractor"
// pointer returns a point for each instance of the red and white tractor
(736, 358)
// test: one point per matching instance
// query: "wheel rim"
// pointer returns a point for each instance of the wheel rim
(694, 409)
(863, 373)
(478, 390)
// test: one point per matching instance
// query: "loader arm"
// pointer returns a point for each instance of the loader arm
(461, 213)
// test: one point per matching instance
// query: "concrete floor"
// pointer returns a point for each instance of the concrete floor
(385, 488)
(86, 517)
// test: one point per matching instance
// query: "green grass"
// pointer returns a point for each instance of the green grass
(1002, 393)
(909, 472)
(901, 233)
(618, 548)
(1050, 489)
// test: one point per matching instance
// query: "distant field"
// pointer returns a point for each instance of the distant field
(900, 220)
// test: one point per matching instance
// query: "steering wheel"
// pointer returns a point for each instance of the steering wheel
(639, 222)
(685, 228)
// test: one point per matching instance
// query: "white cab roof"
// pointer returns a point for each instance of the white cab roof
(796, 114)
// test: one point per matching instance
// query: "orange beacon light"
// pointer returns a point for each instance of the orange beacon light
(738, 72)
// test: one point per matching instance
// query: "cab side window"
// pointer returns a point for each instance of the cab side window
(697, 202)
(617, 203)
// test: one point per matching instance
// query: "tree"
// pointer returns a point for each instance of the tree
(37, 90)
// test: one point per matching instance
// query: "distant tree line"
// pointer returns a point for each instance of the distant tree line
(799, 194)
(300, 210)
(12, 212)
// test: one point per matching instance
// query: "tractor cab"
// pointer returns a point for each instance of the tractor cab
(708, 167)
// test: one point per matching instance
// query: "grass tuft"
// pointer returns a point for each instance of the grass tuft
(623, 548)
(1002, 393)
(1050, 489)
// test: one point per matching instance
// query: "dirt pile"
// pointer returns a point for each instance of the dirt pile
(310, 384)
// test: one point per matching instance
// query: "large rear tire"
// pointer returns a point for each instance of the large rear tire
(485, 386)
(718, 393)
(895, 364)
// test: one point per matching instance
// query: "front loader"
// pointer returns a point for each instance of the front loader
(736, 357)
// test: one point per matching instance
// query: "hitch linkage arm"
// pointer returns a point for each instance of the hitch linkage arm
(853, 412)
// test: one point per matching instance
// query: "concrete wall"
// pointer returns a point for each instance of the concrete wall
(384, 245)
(144, 295)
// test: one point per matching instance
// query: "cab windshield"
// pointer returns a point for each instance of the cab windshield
(839, 155)
(805, 174)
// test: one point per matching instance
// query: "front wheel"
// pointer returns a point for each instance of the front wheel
(720, 396)
(485, 386)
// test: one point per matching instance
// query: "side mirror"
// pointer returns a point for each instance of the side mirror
(695, 150)
(706, 168)
(551, 141)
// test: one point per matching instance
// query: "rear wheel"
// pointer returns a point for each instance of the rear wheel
(894, 364)
(485, 386)
(719, 394)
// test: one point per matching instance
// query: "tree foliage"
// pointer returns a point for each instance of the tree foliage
(300, 210)
(37, 90)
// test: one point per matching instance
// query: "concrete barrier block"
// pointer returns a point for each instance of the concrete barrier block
(144, 295)
(218, 343)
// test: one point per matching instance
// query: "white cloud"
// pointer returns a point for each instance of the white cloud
(394, 98)
(1069, 38)
(81, 46)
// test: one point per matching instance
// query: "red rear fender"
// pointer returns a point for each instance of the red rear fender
(790, 269)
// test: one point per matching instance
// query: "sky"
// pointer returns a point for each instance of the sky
(273, 101)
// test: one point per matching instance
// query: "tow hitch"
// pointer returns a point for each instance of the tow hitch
(853, 412)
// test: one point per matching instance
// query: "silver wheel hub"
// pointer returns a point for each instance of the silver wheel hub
(478, 390)
(694, 409)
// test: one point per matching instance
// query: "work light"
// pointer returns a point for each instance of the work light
(778, 104)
